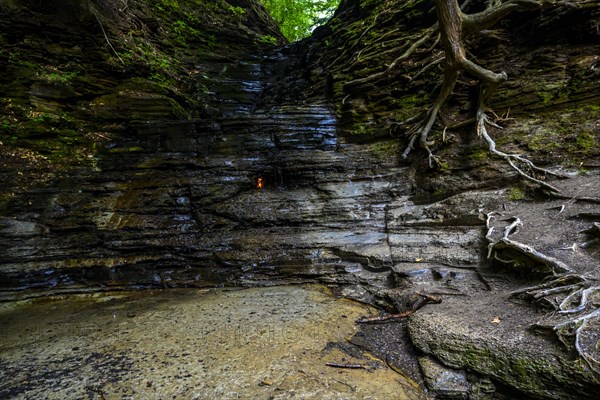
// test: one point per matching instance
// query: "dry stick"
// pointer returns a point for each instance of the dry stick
(378, 318)
(427, 299)
(348, 366)
(108, 41)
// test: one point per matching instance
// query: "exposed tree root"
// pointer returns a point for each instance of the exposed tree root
(345, 47)
(593, 234)
(572, 332)
(107, 40)
(583, 199)
(511, 159)
(566, 292)
(452, 23)
(409, 52)
(425, 68)
(552, 285)
(505, 242)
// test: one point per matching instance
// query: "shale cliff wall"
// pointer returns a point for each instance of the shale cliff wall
(183, 143)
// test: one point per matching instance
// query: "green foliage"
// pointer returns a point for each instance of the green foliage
(236, 10)
(585, 141)
(57, 76)
(268, 39)
(6, 126)
(165, 5)
(182, 30)
(298, 18)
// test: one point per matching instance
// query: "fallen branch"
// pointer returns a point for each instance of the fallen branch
(348, 366)
(423, 299)
(380, 318)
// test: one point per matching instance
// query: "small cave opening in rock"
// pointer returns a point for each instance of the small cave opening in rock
(276, 178)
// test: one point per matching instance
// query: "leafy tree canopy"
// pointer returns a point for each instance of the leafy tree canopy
(298, 18)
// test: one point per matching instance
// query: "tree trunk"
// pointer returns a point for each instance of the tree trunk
(450, 19)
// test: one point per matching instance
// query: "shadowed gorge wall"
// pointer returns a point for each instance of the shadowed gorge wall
(134, 134)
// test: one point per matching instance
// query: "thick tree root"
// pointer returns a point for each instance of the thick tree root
(506, 243)
(563, 291)
(450, 78)
(452, 23)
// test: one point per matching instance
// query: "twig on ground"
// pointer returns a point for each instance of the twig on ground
(424, 299)
(348, 366)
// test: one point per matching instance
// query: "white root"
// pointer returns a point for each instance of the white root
(578, 289)
(506, 242)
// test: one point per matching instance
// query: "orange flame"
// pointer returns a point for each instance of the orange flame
(260, 183)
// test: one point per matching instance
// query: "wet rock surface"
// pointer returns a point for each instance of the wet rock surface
(269, 343)
(447, 383)
(252, 166)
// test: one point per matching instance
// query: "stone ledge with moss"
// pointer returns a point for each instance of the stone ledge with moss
(134, 136)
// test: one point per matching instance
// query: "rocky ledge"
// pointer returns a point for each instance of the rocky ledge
(208, 156)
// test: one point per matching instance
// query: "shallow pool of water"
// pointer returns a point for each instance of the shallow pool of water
(262, 343)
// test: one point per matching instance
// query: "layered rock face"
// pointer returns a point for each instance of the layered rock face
(171, 145)
(171, 200)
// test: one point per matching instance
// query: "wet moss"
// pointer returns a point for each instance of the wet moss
(516, 193)
(479, 154)
(585, 141)
(521, 370)
(386, 149)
